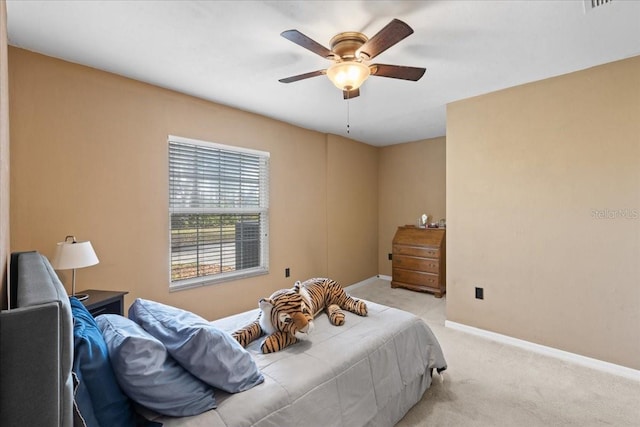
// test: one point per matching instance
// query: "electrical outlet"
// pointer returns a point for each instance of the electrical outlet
(390, 257)
(479, 293)
(287, 273)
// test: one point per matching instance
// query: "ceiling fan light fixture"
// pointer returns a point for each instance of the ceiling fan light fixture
(348, 75)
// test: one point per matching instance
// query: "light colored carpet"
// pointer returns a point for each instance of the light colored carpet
(492, 384)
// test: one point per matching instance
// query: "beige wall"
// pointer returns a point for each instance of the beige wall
(526, 169)
(352, 209)
(411, 182)
(89, 157)
(4, 152)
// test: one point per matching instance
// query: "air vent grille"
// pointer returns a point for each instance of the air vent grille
(593, 4)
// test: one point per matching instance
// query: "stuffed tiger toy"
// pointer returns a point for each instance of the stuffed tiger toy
(288, 313)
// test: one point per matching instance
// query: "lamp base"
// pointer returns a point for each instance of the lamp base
(81, 297)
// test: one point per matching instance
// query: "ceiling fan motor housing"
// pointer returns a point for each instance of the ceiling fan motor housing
(346, 44)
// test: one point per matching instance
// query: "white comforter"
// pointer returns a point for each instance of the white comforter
(368, 372)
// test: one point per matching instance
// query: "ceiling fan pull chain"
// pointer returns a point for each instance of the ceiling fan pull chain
(347, 114)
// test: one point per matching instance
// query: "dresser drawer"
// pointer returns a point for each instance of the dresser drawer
(417, 251)
(415, 263)
(415, 277)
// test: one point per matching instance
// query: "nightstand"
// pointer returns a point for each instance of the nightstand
(104, 302)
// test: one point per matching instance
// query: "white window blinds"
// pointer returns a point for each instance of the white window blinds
(219, 212)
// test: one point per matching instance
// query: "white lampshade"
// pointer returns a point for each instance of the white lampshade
(348, 75)
(70, 255)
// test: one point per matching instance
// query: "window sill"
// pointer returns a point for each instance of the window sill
(199, 282)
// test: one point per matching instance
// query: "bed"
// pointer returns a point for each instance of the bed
(368, 372)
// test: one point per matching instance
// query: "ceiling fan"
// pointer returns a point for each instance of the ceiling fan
(351, 52)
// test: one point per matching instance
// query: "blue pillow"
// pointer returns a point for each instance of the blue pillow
(147, 373)
(98, 396)
(207, 352)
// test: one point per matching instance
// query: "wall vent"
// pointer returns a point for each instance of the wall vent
(594, 4)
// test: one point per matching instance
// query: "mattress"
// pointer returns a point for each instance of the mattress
(368, 372)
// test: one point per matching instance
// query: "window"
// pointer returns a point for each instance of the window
(219, 212)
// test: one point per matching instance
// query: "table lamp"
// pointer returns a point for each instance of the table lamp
(71, 255)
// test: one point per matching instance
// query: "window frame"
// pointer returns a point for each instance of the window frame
(262, 210)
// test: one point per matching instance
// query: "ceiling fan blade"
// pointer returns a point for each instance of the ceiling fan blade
(348, 94)
(303, 76)
(391, 34)
(397, 71)
(301, 40)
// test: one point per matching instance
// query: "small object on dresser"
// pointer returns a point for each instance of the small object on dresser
(421, 222)
(104, 302)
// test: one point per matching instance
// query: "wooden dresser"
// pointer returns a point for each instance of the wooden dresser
(419, 261)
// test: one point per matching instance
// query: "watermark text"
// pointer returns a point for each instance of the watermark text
(625, 213)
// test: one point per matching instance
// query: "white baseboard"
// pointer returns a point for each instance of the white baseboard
(600, 365)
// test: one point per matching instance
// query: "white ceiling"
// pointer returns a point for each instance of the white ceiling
(230, 52)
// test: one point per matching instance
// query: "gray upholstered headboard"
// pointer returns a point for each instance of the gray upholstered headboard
(36, 347)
